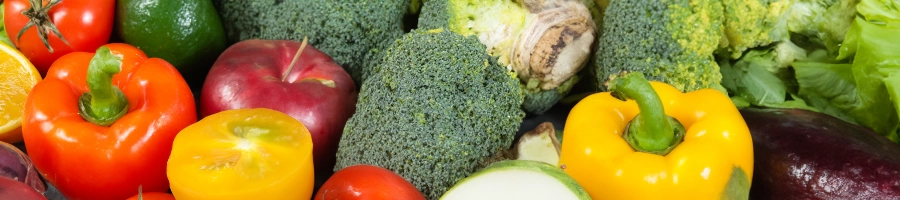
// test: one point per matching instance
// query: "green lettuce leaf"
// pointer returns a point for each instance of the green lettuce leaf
(761, 77)
(866, 92)
(830, 88)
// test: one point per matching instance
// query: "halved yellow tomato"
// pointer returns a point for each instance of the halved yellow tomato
(242, 154)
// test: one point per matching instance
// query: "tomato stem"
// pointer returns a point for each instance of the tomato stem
(39, 18)
(105, 103)
(651, 131)
(294, 61)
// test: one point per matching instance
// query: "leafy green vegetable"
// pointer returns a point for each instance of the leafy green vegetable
(752, 82)
(3, 36)
(761, 77)
(857, 81)
(754, 23)
(829, 87)
(866, 91)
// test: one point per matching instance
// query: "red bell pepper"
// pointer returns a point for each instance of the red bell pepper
(101, 125)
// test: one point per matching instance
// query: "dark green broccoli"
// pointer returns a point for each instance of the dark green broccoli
(436, 109)
(346, 30)
(671, 41)
(546, 42)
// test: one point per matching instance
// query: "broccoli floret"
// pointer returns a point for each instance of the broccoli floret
(436, 109)
(754, 23)
(671, 41)
(546, 42)
(346, 30)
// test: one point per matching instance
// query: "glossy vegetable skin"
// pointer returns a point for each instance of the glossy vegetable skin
(152, 196)
(12, 189)
(802, 154)
(716, 147)
(368, 182)
(240, 154)
(16, 165)
(89, 161)
(84, 24)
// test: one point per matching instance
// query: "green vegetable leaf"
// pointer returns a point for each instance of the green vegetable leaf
(797, 102)
(892, 82)
(752, 80)
(828, 87)
(738, 185)
(866, 91)
(3, 36)
(880, 11)
(740, 102)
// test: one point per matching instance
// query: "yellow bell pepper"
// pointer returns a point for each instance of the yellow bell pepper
(710, 158)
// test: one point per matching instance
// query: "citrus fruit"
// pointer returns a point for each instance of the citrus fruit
(17, 77)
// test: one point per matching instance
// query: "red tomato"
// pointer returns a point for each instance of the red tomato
(153, 196)
(367, 182)
(85, 24)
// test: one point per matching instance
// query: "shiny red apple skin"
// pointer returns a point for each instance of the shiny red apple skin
(317, 91)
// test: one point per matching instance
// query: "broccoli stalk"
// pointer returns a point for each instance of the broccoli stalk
(545, 42)
(436, 109)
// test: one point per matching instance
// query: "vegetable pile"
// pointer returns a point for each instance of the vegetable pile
(834, 57)
(450, 99)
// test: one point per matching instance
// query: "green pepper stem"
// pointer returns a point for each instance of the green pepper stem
(105, 103)
(651, 130)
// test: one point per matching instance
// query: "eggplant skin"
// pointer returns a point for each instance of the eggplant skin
(801, 154)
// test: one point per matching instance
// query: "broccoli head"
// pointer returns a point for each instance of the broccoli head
(346, 30)
(752, 23)
(546, 42)
(755, 23)
(436, 109)
(671, 41)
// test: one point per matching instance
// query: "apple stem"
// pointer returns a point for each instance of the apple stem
(294, 61)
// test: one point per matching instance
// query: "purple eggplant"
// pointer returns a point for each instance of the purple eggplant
(801, 154)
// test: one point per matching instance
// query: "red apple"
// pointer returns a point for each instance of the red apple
(258, 74)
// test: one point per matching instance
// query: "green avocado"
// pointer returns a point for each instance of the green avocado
(186, 33)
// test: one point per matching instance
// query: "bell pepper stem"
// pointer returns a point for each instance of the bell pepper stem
(651, 130)
(104, 103)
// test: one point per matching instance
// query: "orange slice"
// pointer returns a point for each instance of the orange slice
(17, 77)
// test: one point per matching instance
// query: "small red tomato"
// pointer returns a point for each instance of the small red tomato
(84, 24)
(152, 196)
(367, 182)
